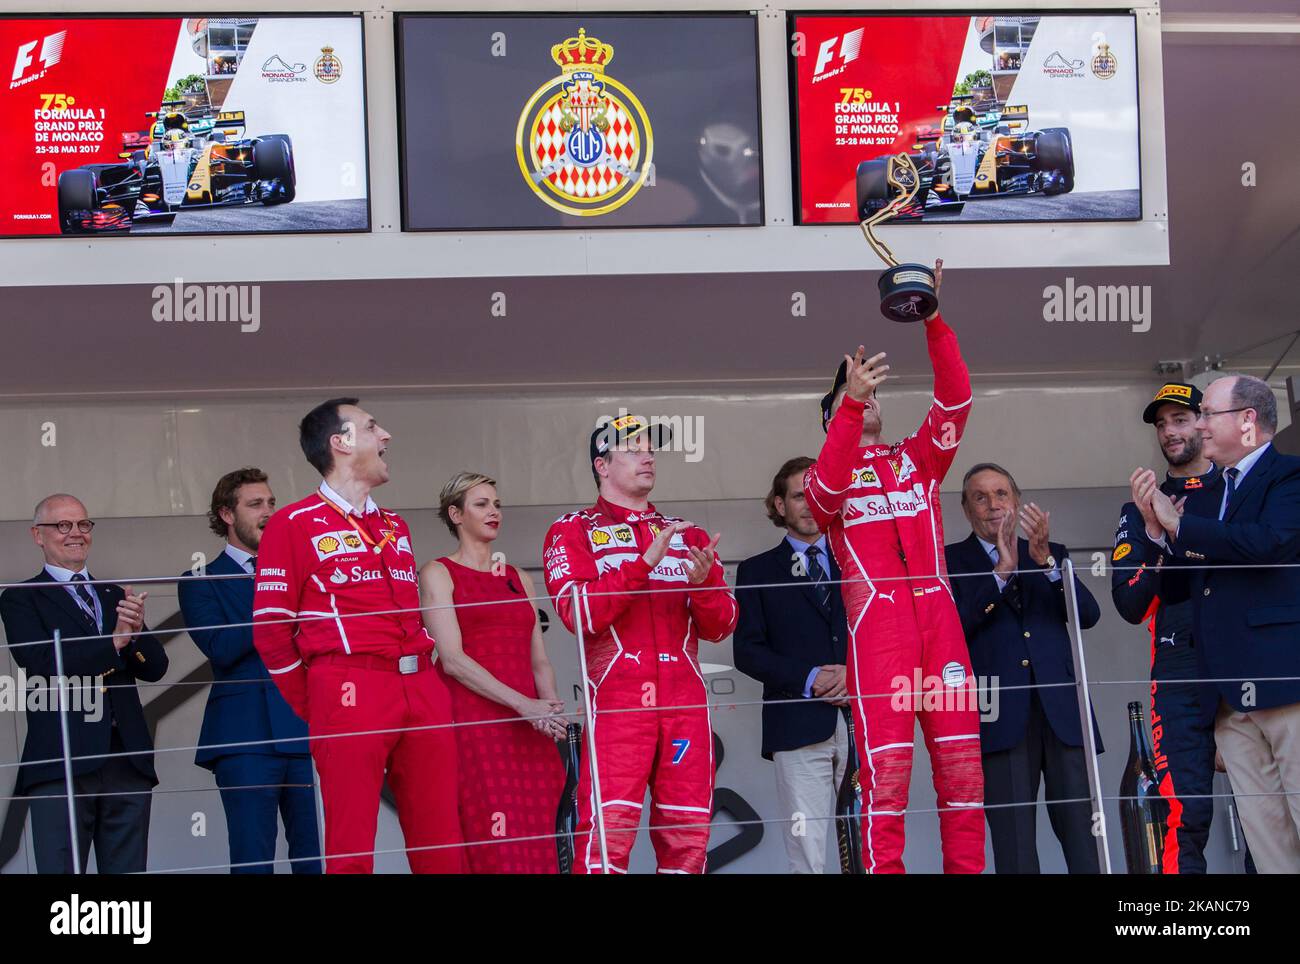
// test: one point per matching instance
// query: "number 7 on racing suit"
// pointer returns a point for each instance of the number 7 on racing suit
(879, 505)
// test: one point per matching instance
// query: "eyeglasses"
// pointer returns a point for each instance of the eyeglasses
(1209, 413)
(65, 526)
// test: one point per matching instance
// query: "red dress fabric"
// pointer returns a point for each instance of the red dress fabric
(511, 777)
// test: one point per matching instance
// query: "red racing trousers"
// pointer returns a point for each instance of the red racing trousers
(669, 751)
(357, 695)
(909, 633)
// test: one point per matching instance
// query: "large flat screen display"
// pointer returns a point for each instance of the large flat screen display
(182, 125)
(1006, 117)
(560, 121)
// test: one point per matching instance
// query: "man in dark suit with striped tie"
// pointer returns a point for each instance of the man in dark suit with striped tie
(106, 648)
(793, 639)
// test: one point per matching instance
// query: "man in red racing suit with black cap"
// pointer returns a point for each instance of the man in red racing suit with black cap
(648, 589)
(879, 505)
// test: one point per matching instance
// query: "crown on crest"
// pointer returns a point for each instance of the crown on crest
(582, 53)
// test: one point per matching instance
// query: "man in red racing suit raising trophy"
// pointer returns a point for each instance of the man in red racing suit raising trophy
(879, 505)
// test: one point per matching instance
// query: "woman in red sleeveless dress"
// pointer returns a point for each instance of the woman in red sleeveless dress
(496, 667)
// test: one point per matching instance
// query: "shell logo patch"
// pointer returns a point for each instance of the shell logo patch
(584, 142)
(329, 544)
(599, 537)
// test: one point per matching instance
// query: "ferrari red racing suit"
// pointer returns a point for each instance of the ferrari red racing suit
(336, 620)
(879, 505)
(642, 663)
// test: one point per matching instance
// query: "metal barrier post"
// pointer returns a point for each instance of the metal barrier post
(1085, 713)
(67, 751)
(598, 813)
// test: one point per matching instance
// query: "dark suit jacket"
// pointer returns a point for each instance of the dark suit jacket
(782, 634)
(1014, 646)
(243, 704)
(34, 614)
(1247, 621)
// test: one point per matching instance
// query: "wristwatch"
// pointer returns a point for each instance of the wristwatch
(1051, 562)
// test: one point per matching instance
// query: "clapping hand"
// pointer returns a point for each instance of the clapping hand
(130, 618)
(701, 561)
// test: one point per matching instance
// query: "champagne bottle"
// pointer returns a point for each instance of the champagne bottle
(566, 817)
(1142, 810)
(848, 809)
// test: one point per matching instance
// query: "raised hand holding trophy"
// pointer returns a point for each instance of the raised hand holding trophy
(907, 291)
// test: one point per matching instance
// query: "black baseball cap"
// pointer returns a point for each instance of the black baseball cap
(625, 427)
(841, 377)
(1173, 393)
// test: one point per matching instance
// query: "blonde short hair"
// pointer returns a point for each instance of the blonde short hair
(454, 492)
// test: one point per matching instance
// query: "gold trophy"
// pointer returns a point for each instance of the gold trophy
(906, 290)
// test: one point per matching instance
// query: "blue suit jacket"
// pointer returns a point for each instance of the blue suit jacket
(1012, 645)
(782, 634)
(240, 710)
(1247, 621)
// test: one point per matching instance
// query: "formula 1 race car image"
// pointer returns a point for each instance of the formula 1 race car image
(975, 154)
(186, 160)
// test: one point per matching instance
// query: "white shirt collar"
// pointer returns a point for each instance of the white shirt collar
(64, 575)
(989, 548)
(1247, 463)
(241, 556)
(343, 503)
(801, 547)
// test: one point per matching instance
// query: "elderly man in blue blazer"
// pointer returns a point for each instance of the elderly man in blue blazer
(251, 740)
(1010, 594)
(106, 648)
(1245, 590)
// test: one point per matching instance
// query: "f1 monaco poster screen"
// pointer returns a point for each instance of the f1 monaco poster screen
(562, 121)
(1006, 118)
(182, 125)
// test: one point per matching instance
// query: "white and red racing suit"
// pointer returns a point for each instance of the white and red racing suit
(642, 665)
(879, 506)
(336, 620)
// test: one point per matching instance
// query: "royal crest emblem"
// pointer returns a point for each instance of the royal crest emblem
(584, 141)
(328, 68)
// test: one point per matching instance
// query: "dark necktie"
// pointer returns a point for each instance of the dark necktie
(252, 562)
(1231, 475)
(817, 573)
(82, 591)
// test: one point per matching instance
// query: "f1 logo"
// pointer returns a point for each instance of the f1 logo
(850, 47)
(51, 53)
